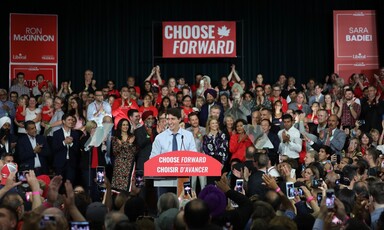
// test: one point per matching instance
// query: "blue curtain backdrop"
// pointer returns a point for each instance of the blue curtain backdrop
(114, 38)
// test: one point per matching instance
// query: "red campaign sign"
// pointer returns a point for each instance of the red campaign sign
(346, 69)
(31, 71)
(355, 41)
(203, 39)
(182, 164)
(33, 38)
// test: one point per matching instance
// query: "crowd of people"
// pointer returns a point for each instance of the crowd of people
(308, 156)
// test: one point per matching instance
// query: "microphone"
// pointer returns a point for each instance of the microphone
(182, 143)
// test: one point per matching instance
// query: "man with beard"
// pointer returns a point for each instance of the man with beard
(372, 110)
(210, 100)
(237, 109)
(7, 140)
(349, 110)
(144, 136)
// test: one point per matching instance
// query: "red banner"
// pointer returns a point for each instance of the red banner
(355, 42)
(189, 39)
(31, 71)
(33, 38)
(182, 164)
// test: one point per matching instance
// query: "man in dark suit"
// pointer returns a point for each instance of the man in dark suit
(7, 139)
(32, 150)
(65, 144)
(144, 137)
(332, 136)
(255, 181)
(210, 100)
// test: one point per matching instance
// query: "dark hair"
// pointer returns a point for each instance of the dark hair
(132, 111)
(348, 197)
(80, 108)
(118, 128)
(349, 171)
(20, 73)
(193, 114)
(161, 107)
(287, 116)
(263, 161)
(196, 214)
(186, 96)
(377, 192)
(12, 212)
(269, 122)
(176, 112)
(65, 116)
(240, 120)
(327, 149)
(30, 122)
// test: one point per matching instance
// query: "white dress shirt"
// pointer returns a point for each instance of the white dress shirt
(293, 147)
(163, 142)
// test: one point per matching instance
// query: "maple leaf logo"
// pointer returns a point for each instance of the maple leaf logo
(223, 31)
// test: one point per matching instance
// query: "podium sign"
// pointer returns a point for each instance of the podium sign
(182, 164)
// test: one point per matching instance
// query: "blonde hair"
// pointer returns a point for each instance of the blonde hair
(90, 125)
(210, 118)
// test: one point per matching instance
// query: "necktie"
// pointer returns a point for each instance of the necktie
(95, 157)
(328, 141)
(174, 142)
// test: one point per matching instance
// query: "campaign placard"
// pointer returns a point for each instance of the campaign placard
(33, 38)
(355, 42)
(182, 164)
(31, 71)
(199, 39)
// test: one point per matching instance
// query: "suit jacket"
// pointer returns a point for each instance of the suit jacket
(26, 156)
(60, 150)
(337, 142)
(145, 146)
(204, 114)
(11, 139)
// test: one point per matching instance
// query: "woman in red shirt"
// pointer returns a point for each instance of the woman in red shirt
(147, 106)
(186, 108)
(239, 141)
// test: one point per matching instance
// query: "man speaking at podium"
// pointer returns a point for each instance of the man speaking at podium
(173, 138)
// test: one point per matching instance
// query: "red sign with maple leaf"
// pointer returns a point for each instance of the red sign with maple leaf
(187, 39)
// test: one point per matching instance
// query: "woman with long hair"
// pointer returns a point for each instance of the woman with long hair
(366, 142)
(148, 106)
(330, 105)
(224, 100)
(239, 141)
(165, 104)
(146, 88)
(215, 143)
(186, 108)
(354, 148)
(277, 115)
(78, 112)
(124, 149)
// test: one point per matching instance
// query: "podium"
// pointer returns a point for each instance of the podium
(172, 169)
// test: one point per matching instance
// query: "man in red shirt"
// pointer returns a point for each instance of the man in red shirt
(276, 96)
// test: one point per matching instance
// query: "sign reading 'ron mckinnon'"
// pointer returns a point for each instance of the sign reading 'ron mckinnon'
(191, 39)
